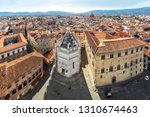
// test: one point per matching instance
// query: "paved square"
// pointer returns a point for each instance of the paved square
(62, 88)
(137, 88)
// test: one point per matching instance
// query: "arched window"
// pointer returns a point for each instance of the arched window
(119, 54)
(141, 48)
(131, 51)
(131, 63)
(111, 55)
(125, 65)
(111, 69)
(126, 52)
(102, 70)
(140, 59)
(137, 49)
(103, 57)
(136, 61)
(118, 67)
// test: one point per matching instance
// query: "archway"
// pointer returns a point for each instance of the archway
(113, 79)
(63, 71)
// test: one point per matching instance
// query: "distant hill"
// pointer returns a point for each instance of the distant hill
(136, 11)
(35, 13)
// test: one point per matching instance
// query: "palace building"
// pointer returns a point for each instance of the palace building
(147, 57)
(68, 55)
(19, 76)
(113, 56)
(12, 47)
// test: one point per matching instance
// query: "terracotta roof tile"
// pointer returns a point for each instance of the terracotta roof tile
(21, 42)
(19, 67)
(94, 42)
(111, 45)
(117, 45)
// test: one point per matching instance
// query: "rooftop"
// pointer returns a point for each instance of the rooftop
(29, 61)
(19, 26)
(40, 35)
(106, 45)
(11, 42)
(68, 41)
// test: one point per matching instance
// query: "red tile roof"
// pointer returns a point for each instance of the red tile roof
(19, 67)
(111, 45)
(21, 42)
(118, 45)
(92, 40)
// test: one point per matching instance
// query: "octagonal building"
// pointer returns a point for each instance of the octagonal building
(68, 55)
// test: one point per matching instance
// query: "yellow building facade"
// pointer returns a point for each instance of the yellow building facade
(115, 59)
(80, 38)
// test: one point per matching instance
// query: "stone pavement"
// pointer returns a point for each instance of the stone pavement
(40, 95)
(136, 88)
(90, 83)
(62, 88)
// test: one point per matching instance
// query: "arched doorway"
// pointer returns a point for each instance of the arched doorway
(63, 71)
(113, 79)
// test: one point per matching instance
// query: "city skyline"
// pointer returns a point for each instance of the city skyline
(77, 6)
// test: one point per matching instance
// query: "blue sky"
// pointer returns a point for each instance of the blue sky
(69, 5)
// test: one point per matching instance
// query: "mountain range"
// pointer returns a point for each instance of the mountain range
(136, 11)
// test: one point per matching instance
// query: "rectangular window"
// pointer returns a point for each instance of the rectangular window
(2, 56)
(20, 87)
(33, 76)
(8, 54)
(73, 65)
(137, 49)
(102, 70)
(131, 51)
(111, 56)
(125, 65)
(22, 49)
(119, 54)
(126, 52)
(36, 73)
(103, 57)
(111, 69)
(25, 83)
(13, 52)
